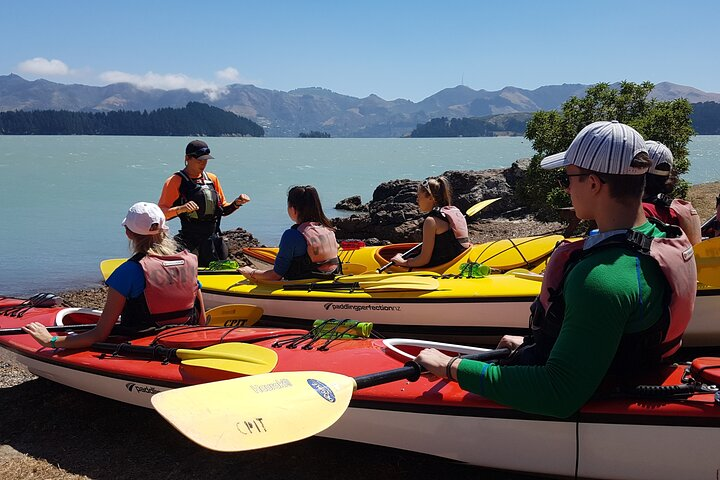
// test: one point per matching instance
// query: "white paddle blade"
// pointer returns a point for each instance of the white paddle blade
(256, 412)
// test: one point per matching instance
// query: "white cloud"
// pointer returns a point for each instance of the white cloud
(229, 74)
(43, 66)
(171, 81)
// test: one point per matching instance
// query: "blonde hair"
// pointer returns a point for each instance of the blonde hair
(439, 189)
(158, 244)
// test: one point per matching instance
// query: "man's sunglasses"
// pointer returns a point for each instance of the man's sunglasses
(563, 178)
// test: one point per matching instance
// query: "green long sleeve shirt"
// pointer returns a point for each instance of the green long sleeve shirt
(607, 294)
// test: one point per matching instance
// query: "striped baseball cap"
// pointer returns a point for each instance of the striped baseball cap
(661, 157)
(602, 147)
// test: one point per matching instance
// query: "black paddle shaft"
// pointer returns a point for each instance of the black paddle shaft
(155, 352)
(55, 328)
(411, 371)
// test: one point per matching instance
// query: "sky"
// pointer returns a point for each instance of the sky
(390, 48)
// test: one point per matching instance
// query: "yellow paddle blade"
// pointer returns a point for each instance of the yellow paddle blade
(235, 366)
(371, 277)
(256, 412)
(107, 267)
(526, 274)
(401, 284)
(707, 257)
(234, 315)
(240, 352)
(479, 206)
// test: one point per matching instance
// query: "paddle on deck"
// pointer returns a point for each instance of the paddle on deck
(370, 277)
(272, 409)
(468, 213)
(386, 284)
(707, 258)
(230, 315)
(243, 358)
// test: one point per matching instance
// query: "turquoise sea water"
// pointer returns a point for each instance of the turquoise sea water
(64, 197)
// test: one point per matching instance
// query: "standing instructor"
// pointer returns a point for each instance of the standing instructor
(197, 198)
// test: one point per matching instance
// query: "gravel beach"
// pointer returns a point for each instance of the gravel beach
(49, 431)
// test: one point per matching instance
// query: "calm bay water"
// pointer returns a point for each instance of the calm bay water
(64, 197)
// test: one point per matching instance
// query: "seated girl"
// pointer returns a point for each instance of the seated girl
(308, 249)
(445, 232)
(155, 288)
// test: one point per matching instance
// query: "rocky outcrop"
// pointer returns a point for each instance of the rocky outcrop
(236, 240)
(392, 214)
(352, 204)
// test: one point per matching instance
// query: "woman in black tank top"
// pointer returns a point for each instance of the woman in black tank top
(439, 244)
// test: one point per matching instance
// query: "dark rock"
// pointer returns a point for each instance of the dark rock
(352, 204)
(237, 239)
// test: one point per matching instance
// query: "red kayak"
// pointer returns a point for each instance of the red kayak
(666, 437)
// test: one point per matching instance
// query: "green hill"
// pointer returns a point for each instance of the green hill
(195, 119)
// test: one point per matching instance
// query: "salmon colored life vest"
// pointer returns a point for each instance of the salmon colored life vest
(170, 292)
(457, 223)
(322, 246)
(673, 254)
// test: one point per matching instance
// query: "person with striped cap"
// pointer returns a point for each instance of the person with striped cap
(615, 303)
(659, 183)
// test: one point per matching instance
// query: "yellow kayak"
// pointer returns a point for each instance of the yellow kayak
(501, 255)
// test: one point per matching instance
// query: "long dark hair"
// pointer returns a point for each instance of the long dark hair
(306, 201)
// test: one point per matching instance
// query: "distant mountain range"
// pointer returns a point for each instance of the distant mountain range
(284, 114)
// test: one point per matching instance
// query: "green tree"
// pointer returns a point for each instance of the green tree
(550, 132)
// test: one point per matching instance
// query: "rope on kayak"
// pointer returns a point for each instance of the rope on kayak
(330, 331)
(513, 246)
(40, 300)
(183, 329)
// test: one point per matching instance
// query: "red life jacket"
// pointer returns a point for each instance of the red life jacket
(673, 254)
(322, 246)
(457, 223)
(170, 292)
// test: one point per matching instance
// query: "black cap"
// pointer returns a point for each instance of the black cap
(198, 149)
